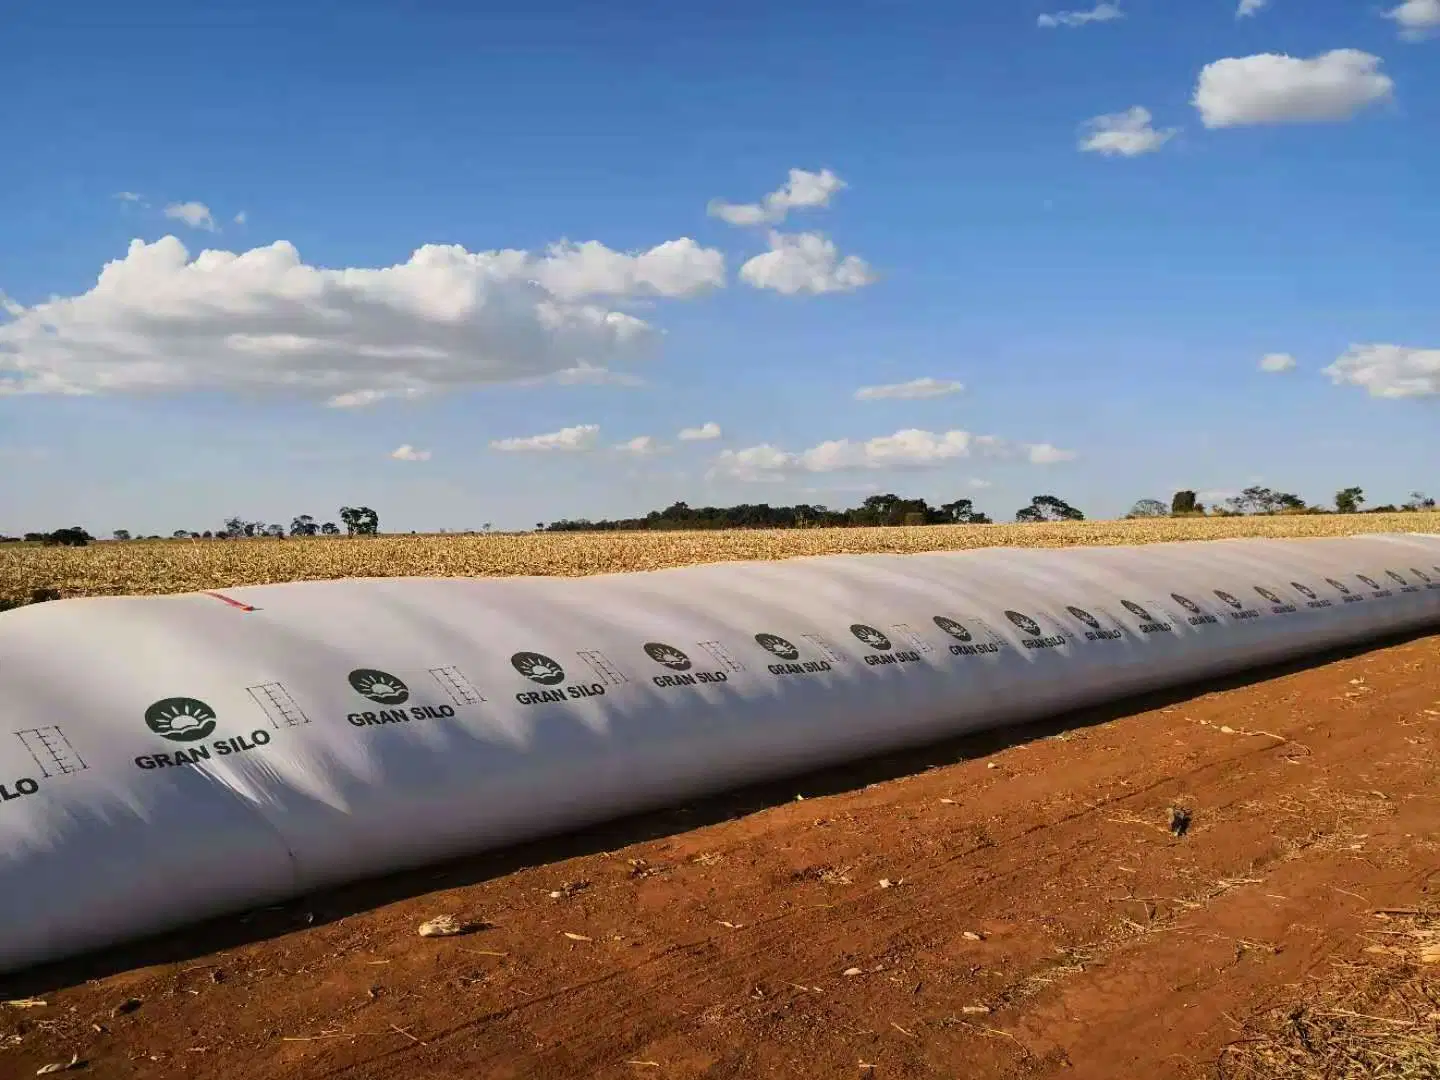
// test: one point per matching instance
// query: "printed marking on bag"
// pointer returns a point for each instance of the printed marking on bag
(681, 666)
(1150, 621)
(971, 642)
(1277, 605)
(789, 654)
(1033, 634)
(1095, 631)
(1237, 609)
(884, 649)
(384, 688)
(539, 668)
(189, 721)
(53, 756)
(1195, 615)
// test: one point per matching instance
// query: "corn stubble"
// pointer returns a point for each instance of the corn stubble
(29, 572)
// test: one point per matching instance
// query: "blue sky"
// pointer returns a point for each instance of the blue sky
(1106, 310)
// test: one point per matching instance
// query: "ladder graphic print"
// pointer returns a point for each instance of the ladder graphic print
(722, 655)
(460, 689)
(51, 751)
(824, 648)
(277, 704)
(907, 631)
(603, 668)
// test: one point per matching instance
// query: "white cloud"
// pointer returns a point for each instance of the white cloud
(803, 191)
(264, 321)
(127, 196)
(1045, 454)
(1250, 7)
(1277, 362)
(1389, 371)
(913, 390)
(805, 263)
(195, 214)
(409, 453)
(580, 437)
(640, 446)
(240, 218)
(1272, 89)
(1127, 134)
(907, 449)
(361, 399)
(707, 430)
(978, 484)
(589, 375)
(1418, 19)
(1099, 13)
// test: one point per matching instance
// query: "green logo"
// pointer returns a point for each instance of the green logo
(181, 719)
(379, 686)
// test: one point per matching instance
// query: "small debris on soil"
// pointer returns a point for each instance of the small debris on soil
(852, 971)
(971, 935)
(129, 1005)
(59, 1067)
(1179, 820)
(444, 926)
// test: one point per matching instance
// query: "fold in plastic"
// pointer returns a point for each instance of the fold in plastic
(165, 759)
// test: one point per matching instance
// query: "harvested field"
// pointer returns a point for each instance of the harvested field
(169, 566)
(1014, 905)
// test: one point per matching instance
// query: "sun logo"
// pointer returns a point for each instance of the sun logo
(1303, 590)
(774, 643)
(667, 655)
(537, 667)
(1369, 581)
(379, 686)
(1136, 610)
(1345, 589)
(1185, 602)
(1233, 601)
(181, 719)
(870, 636)
(1024, 622)
(1421, 575)
(1267, 594)
(1084, 616)
(951, 627)
(1399, 579)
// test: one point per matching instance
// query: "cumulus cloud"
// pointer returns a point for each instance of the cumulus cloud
(195, 214)
(913, 390)
(1250, 7)
(1045, 454)
(1275, 363)
(264, 321)
(1124, 134)
(240, 218)
(640, 446)
(908, 449)
(707, 430)
(1273, 89)
(1417, 19)
(580, 437)
(805, 263)
(802, 191)
(1099, 13)
(1389, 371)
(409, 453)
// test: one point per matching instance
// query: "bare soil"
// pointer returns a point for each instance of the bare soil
(1201, 884)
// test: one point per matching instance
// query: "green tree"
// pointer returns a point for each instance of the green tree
(360, 520)
(1183, 502)
(1048, 508)
(330, 529)
(1418, 501)
(121, 534)
(304, 525)
(1348, 500)
(1148, 508)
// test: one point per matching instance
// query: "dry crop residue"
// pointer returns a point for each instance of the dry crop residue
(170, 566)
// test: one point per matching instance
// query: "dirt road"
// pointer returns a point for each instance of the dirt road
(1020, 905)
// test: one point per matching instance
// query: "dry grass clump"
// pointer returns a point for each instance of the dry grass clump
(1378, 1020)
(170, 566)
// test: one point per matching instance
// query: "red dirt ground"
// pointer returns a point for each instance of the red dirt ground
(1042, 919)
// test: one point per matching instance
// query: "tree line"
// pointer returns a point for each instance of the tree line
(888, 509)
